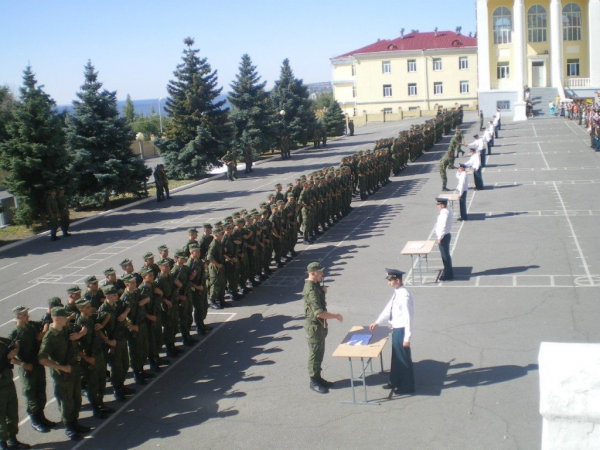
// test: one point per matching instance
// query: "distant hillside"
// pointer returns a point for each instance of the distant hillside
(320, 88)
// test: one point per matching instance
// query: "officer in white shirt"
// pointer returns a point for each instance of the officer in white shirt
(479, 145)
(488, 138)
(462, 188)
(496, 122)
(499, 117)
(399, 314)
(474, 163)
(442, 232)
(491, 129)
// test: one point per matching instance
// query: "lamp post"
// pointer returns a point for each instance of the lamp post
(284, 137)
(160, 117)
(140, 138)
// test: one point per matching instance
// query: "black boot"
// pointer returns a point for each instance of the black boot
(139, 379)
(120, 395)
(98, 412)
(154, 366)
(317, 387)
(105, 408)
(164, 362)
(214, 305)
(171, 352)
(14, 443)
(71, 433)
(148, 375)
(80, 428)
(127, 390)
(37, 424)
(189, 341)
(47, 422)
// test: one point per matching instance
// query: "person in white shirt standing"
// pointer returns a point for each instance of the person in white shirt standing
(399, 314)
(498, 117)
(442, 232)
(496, 122)
(462, 188)
(488, 138)
(479, 145)
(474, 163)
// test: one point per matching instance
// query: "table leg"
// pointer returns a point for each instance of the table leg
(364, 378)
(381, 361)
(352, 380)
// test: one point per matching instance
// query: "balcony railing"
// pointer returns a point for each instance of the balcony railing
(340, 82)
(578, 82)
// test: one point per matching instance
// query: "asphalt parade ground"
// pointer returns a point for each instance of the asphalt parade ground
(526, 271)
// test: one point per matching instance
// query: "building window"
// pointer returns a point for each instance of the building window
(387, 110)
(438, 88)
(536, 24)
(503, 105)
(387, 90)
(412, 65)
(353, 70)
(437, 64)
(571, 22)
(412, 89)
(572, 67)
(464, 87)
(386, 67)
(502, 20)
(503, 70)
(463, 62)
(353, 91)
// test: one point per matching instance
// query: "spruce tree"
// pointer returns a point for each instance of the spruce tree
(197, 135)
(334, 120)
(99, 140)
(7, 100)
(251, 116)
(33, 154)
(129, 110)
(291, 95)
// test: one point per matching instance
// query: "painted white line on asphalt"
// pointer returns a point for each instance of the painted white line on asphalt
(138, 395)
(543, 156)
(1, 268)
(12, 320)
(18, 292)
(534, 132)
(585, 266)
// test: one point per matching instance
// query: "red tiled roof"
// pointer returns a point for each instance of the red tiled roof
(417, 41)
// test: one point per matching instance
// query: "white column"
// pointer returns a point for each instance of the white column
(518, 71)
(594, 40)
(483, 45)
(556, 40)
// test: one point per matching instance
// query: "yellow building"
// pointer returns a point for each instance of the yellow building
(552, 46)
(414, 71)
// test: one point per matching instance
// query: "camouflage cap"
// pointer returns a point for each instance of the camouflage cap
(228, 219)
(148, 255)
(109, 271)
(249, 217)
(145, 271)
(207, 226)
(82, 303)
(180, 254)
(125, 263)
(290, 185)
(218, 230)
(163, 262)
(128, 278)
(315, 267)
(218, 224)
(240, 221)
(193, 247)
(162, 248)
(110, 289)
(192, 230)
(19, 310)
(59, 311)
(91, 279)
(263, 204)
(73, 290)
(54, 301)
(280, 202)
(290, 195)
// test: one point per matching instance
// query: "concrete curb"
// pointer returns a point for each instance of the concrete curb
(139, 202)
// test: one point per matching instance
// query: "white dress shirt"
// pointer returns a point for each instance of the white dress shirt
(477, 144)
(444, 223)
(463, 182)
(498, 114)
(487, 135)
(399, 312)
(496, 120)
(474, 161)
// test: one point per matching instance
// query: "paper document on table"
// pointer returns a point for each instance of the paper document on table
(360, 339)
(416, 245)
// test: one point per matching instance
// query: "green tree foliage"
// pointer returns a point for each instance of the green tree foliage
(149, 125)
(291, 95)
(33, 154)
(322, 101)
(128, 110)
(334, 120)
(99, 140)
(197, 135)
(251, 115)
(7, 100)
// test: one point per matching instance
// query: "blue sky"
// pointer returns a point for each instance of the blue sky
(136, 45)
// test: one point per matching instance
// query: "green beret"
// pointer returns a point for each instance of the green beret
(315, 267)
(163, 262)
(125, 262)
(54, 301)
(110, 289)
(91, 279)
(192, 230)
(109, 271)
(19, 310)
(128, 278)
(59, 311)
(162, 248)
(148, 255)
(73, 290)
(82, 303)
(207, 226)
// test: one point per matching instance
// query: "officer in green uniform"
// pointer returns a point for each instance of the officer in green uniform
(58, 352)
(113, 313)
(182, 273)
(196, 266)
(192, 239)
(28, 334)
(53, 214)
(93, 293)
(9, 406)
(63, 211)
(149, 289)
(446, 161)
(315, 310)
(170, 315)
(216, 271)
(163, 252)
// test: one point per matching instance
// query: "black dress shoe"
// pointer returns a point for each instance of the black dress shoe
(72, 434)
(47, 422)
(208, 328)
(14, 443)
(80, 428)
(326, 383)
(318, 388)
(38, 426)
(387, 386)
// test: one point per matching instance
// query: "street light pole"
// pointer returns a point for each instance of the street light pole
(160, 117)
(284, 142)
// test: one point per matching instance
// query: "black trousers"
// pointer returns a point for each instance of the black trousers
(463, 205)
(402, 375)
(444, 247)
